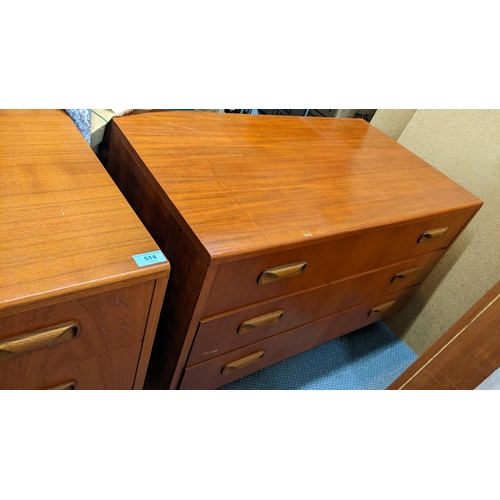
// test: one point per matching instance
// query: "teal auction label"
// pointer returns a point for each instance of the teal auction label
(146, 259)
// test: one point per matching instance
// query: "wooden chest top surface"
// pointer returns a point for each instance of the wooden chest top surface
(247, 183)
(65, 228)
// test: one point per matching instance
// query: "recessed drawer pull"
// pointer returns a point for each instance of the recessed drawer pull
(406, 274)
(260, 321)
(35, 341)
(65, 386)
(282, 272)
(382, 308)
(432, 234)
(243, 362)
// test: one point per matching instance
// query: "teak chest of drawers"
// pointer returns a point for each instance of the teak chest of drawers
(283, 232)
(76, 310)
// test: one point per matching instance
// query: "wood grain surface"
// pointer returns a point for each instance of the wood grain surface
(108, 321)
(208, 375)
(178, 318)
(228, 196)
(464, 356)
(248, 183)
(114, 370)
(65, 228)
(219, 334)
(235, 283)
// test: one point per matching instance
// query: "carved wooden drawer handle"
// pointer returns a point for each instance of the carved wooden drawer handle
(242, 363)
(432, 234)
(281, 272)
(406, 274)
(65, 386)
(41, 339)
(264, 320)
(382, 308)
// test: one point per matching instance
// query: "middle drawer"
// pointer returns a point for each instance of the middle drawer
(225, 332)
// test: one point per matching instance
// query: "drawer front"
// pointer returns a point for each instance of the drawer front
(236, 283)
(31, 346)
(112, 370)
(223, 333)
(242, 362)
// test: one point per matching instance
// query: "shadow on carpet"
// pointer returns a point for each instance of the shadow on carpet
(370, 358)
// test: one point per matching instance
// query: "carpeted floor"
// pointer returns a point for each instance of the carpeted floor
(368, 359)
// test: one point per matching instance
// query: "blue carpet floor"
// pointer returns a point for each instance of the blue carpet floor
(368, 359)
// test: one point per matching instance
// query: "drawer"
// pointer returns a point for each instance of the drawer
(236, 283)
(104, 322)
(242, 362)
(111, 370)
(223, 333)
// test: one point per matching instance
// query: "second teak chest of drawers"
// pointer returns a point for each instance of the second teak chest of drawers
(283, 233)
(76, 309)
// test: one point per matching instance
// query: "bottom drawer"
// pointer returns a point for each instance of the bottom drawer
(112, 370)
(237, 364)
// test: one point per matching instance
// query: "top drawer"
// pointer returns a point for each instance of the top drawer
(35, 342)
(236, 283)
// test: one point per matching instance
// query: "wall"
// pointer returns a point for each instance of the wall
(392, 121)
(465, 146)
